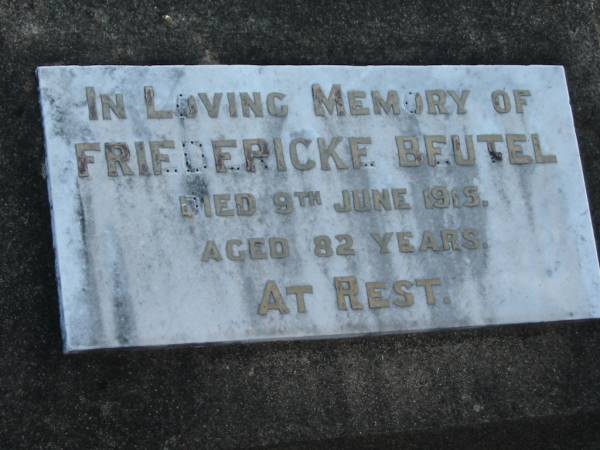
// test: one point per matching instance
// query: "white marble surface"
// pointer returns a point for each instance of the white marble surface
(129, 263)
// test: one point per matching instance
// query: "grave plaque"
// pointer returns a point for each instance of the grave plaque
(202, 204)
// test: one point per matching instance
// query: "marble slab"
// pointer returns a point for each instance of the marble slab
(213, 204)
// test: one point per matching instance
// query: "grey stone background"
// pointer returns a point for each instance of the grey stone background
(503, 387)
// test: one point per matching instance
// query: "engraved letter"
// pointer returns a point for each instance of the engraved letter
(211, 108)
(90, 96)
(490, 140)
(256, 248)
(432, 150)
(272, 108)
(251, 155)
(82, 159)
(245, 204)
(328, 151)
(412, 150)
(188, 205)
(232, 104)
(381, 199)
(345, 205)
(519, 100)
(151, 109)
(358, 152)
(229, 245)
(470, 239)
(355, 103)
(254, 104)
(428, 242)
(333, 101)
(278, 248)
(347, 287)
(399, 200)
(157, 156)
(436, 101)
(309, 164)
(383, 241)
(221, 205)
(404, 244)
(375, 297)
(460, 100)
(450, 240)
(537, 150)
(279, 159)
(211, 252)
(117, 154)
(221, 156)
(391, 103)
(271, 291)
(108, 105)
(501, 106)
(428, 284)
(458, 157)
(408, 299)
(515, 151)
(283, 203)
(299, 292)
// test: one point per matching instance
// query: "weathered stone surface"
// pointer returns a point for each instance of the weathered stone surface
(519, 386)
(286, 202)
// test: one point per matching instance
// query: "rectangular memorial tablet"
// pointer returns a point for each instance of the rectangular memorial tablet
(201, 204)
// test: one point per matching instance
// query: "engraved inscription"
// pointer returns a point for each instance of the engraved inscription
(196, 204)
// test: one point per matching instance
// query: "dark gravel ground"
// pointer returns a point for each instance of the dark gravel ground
(520, 386)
